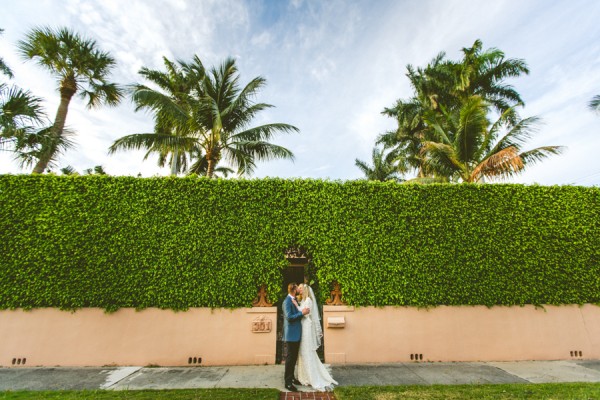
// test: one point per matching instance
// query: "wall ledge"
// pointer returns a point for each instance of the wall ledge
(262, 310)
(338, 308)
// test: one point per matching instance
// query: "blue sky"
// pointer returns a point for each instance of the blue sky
(331, 67)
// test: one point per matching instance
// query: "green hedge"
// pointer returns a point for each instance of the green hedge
(112, 242)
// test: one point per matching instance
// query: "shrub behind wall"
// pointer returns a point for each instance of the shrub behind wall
(112, 242)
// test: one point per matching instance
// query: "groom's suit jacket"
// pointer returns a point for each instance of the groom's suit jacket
(292, 325)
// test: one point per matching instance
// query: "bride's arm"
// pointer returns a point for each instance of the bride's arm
(307, 304)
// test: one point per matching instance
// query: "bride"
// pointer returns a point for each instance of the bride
(310, 370)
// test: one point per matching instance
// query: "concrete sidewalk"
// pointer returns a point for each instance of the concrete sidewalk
(271, 376)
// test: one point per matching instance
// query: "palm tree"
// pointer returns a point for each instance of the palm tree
(79, 66)
(33, 144)
(174, 131)
(443, 88)
(483, 73)
(595, 103)
(382, 170)
(21, 114)
(405, 143)
(3, 67)
(19, 110)
(224, 112)
(69, 170)
(97, 170)
(467, 147)
(201, 118)
(200, 165)
(21, 130)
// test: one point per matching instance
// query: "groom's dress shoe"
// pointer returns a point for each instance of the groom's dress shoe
(296, 382)
(291, 388)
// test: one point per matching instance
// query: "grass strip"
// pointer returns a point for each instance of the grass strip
(546, 391)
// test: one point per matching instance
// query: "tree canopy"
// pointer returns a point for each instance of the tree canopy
(79, 66)
(445, 130)
(203, 117)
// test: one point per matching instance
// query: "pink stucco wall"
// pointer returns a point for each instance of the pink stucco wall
(392, 334)
(90, 337)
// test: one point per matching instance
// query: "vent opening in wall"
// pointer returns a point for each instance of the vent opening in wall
(416, 357)
(195, 360)
(576, 353)
(19, 361)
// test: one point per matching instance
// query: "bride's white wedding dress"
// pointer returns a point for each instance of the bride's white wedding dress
(309, 368)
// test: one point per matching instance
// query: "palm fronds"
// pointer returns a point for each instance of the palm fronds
(381, 170)
(444, 129)
(595, 103)
(79, 66)
(204, 115)
(3, 67)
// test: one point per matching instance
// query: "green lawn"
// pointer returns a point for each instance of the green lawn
(192, 394)
(560, 391)
(554, 391)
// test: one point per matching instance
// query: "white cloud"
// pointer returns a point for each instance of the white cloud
(322, 68)
(262, 40)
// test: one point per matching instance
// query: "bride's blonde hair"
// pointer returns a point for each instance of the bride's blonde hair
(305, 291)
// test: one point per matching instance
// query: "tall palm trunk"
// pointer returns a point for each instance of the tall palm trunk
(68, 88)
(210, 170)
(213, 156)
(175, 161)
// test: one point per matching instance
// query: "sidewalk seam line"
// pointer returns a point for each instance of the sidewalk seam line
(509, 373)
(221, 378)
(126, 376)
(414, 372)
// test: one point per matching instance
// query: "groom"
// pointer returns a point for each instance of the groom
(292, 333)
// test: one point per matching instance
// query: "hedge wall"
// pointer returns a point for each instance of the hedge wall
(114, 242)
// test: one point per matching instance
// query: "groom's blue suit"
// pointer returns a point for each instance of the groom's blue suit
(292, 333)
(292, 326)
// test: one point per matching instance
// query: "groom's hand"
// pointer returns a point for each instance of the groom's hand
(305, 311)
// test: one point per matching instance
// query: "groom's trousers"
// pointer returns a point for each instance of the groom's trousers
(290, 361)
